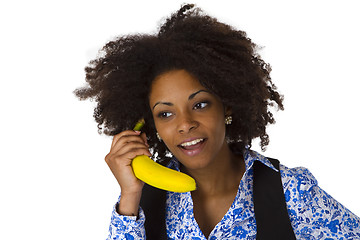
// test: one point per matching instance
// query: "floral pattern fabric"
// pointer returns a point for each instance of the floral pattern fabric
(313, 213)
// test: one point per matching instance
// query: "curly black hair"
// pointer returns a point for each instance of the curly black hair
(222, 58)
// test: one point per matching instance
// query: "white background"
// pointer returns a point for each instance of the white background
(54, 181)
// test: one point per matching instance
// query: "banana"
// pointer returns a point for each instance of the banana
(159, 176)
(139, 125)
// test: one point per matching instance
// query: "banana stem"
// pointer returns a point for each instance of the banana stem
(139, 125)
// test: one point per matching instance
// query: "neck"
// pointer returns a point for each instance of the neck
(220, 177)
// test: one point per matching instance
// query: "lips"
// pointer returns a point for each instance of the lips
(193, 146)
(192, 143)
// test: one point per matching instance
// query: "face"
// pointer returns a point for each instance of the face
(188, 118)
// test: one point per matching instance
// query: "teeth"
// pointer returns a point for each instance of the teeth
(186, 144)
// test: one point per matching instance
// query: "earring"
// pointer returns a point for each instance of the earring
(158, 136)
(228, 120)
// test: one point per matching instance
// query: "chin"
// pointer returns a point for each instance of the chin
(194, 163)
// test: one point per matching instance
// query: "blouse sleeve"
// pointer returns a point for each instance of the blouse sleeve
(314, 214)
(126, 227)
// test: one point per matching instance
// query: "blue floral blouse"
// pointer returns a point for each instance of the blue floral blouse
(313, 213)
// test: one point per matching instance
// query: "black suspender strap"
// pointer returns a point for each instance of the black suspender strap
(153, 202)
(272, 218)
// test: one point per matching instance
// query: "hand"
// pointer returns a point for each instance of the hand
(125, 147)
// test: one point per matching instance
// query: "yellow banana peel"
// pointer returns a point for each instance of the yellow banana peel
(159, 176)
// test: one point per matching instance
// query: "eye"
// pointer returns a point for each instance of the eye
(164, 114)
(201, 105)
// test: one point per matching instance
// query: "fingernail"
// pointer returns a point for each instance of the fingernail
(138, 132)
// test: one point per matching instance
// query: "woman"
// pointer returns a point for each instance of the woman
(204, 94)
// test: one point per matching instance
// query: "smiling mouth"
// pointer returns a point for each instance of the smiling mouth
(193, 147)
(191, 143)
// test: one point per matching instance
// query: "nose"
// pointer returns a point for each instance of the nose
(186, 123)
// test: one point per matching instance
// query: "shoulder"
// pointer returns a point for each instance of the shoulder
(299, 186)
(299, 179)
(312, 211)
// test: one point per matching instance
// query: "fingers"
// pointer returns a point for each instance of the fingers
(126, 137)
(124, 133)
(133, 147)
(130, 143)
(125, 156)
(143, 136)
(130, 155)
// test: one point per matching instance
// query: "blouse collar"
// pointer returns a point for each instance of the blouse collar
(250, 157)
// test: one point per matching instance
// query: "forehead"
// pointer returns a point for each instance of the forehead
(174, 82)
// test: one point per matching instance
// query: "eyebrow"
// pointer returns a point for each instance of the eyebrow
(194, 94)
(189, 98)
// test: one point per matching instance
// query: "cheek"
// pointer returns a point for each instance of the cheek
(217, 119)
(219, 128)
(214, 125)
(165, 131)
(167, 138)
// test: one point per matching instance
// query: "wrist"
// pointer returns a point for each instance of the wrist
(129, 204)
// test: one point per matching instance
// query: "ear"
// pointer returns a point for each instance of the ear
(228, 111)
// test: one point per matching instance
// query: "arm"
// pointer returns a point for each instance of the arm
(127, 220)
(126, 227)
(313, 212)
